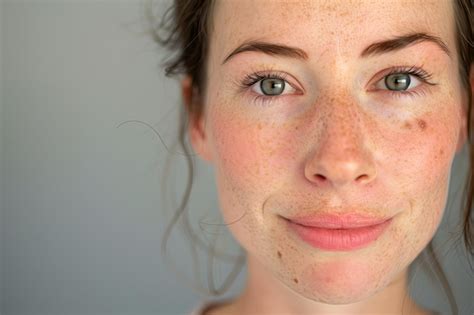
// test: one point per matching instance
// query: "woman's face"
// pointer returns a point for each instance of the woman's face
(327, 134)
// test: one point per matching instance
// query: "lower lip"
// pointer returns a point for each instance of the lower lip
(339, 239)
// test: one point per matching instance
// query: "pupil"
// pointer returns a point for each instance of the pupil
(272, 86)
(398, 81)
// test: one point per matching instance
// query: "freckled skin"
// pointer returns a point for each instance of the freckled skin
(422, 124)
(335, 147)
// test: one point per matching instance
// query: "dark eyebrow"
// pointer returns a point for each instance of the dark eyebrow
(269, 49)
(401, 42)
(377, 48)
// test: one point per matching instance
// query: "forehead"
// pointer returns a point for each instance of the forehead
(317, 25)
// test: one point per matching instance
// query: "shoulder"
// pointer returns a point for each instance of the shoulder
(205, 308)
(201, 308)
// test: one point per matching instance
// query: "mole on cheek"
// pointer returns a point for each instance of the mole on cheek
(421, 124)
(295, 280)
(279, 254)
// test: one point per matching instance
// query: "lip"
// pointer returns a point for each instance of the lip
(338, 221)
(326, 233)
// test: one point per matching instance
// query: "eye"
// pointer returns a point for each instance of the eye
(403, 81)
(267, 87)
(272, 86)
(399, 82)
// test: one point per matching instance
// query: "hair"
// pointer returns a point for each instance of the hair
(186, 25)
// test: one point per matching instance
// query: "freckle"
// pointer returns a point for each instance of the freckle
(296, 127)
(441, 152)
(295, 280)
(259, 126)
(279, 254)
(422, 124)
(407, 125)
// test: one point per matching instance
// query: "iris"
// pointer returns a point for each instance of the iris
(272, 86)
(397, 81)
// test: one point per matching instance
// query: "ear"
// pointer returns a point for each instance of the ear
(196, 127)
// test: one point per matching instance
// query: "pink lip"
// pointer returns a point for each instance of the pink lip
(326, 232)
(338, 221)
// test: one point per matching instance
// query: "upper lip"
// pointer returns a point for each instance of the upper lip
(338, 221)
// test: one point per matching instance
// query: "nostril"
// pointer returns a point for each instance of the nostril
(320, 178)
(362, 178)
(323, 180)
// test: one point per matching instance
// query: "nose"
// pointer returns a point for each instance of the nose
(340, 155)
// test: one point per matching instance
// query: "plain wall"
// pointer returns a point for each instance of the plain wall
(82, 210)
(1, 148)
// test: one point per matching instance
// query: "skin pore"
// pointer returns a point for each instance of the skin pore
(336, 140)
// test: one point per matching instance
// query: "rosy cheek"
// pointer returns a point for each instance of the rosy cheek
(421, 157)
(249, 151)
(417, 151)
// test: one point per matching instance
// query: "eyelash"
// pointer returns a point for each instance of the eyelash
(255, 77)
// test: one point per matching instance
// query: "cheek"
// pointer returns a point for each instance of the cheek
(424, 154)
(419, 160)
(236, 150)
(249, 161)
(246, 152)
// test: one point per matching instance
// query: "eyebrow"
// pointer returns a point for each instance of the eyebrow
(269, 49)
(376, 48)
(403, 41)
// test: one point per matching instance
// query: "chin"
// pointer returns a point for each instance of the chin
(340, 283)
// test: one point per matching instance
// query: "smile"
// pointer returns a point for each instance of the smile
(339, 239)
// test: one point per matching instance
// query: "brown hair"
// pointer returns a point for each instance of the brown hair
(186, 25)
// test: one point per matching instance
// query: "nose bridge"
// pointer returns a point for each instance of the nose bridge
(343, 121)
(340, 154)
(340, 115)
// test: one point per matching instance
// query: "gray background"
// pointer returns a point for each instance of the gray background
(82, 212)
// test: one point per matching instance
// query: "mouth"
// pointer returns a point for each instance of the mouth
(336, 233)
